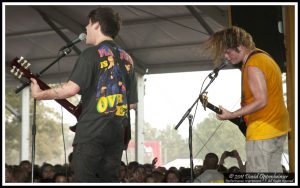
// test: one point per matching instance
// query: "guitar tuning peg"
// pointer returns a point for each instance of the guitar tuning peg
(28, 65)
(21, 59)
(204, 100)
(17, 72)
(21, 74)
(24, 62)
(13, 69)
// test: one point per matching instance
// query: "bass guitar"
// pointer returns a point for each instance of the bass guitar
(240, 122)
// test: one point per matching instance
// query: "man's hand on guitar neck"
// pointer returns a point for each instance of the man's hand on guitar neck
(225, 114)
(35, 89)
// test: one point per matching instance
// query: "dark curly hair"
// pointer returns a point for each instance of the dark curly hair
(109, 20)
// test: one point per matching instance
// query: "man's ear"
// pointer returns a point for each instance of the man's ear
(240, 48)
(96, 25)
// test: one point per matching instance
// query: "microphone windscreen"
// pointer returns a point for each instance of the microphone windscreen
(82, 36)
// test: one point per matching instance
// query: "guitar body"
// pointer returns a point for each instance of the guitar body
(240, 122)
(20, 68)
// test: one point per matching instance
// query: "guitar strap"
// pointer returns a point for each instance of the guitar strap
(256, 51)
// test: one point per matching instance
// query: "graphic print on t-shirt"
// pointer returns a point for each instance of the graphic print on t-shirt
(111, 87)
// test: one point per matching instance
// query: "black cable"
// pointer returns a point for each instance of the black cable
(220, 124)
(196, 111)
(62, 129)
(204, 145)
(127, 174)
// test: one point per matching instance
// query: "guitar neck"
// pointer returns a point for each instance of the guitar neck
(212, 107)
(63, 102)
(20, 69)
(238, 121)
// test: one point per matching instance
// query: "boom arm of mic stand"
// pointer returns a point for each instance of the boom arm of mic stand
(185, 115)
(66, 51)
(212, 77)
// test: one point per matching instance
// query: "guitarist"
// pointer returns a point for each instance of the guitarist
(262, 98)
(104, 77)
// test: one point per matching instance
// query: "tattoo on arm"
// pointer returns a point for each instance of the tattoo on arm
(56, 93)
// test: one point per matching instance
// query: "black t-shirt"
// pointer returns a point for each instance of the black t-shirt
(107, 84)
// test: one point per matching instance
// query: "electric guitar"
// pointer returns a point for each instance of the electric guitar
(240, 122)
(20, 68)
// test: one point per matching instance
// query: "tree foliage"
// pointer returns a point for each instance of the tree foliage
(173, 145)
(49, 141)
(215, 136)
(210, 135)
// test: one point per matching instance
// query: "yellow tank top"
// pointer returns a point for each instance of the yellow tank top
(272, 120)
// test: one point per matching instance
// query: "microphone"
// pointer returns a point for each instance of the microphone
(81, 37)
(216, 70)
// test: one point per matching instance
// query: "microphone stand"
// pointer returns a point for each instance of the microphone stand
(65, 52)
(33, 129)
(191, 146)
(213, 75)
(33, 133)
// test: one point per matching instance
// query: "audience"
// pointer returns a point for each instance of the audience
(211, 171)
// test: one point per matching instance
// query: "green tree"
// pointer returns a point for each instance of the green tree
(172, 144)
(12, 128)
(49, 144)
(215, 136)
(150, 133)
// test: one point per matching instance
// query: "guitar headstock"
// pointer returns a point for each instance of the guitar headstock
(204, 100)
(20, 67)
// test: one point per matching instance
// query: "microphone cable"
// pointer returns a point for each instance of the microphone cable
(214, 132)
(126, 168)
(204, 144)
(62, 130)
